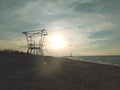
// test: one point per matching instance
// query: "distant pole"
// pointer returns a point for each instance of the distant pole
(35, 40)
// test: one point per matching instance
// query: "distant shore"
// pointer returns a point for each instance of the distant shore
(30, 72)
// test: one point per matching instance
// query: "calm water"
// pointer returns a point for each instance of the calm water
(111, 60)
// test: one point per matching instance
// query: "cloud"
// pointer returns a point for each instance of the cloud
(98, 27)
(87, 24)
(85, 6)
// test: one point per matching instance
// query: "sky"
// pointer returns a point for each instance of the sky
(89, 27)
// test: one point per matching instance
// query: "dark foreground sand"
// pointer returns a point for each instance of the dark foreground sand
(26, 72)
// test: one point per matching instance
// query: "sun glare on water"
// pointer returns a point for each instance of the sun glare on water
(57, 42)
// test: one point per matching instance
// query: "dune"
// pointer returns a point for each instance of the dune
(30, 72)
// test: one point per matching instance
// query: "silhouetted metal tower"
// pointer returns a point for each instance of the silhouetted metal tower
(35, 40)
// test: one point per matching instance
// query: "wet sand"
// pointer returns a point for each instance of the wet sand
(27, 72)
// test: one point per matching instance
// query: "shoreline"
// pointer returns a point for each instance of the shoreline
(95, 62)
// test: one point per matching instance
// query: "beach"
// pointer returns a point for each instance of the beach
(32, 72)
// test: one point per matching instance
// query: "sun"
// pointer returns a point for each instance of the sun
(57, 42)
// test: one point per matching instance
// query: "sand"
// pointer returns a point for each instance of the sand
(29, 72)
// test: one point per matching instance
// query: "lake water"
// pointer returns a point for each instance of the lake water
(111, 60)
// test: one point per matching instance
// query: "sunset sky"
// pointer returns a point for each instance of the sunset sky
(87, 27)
